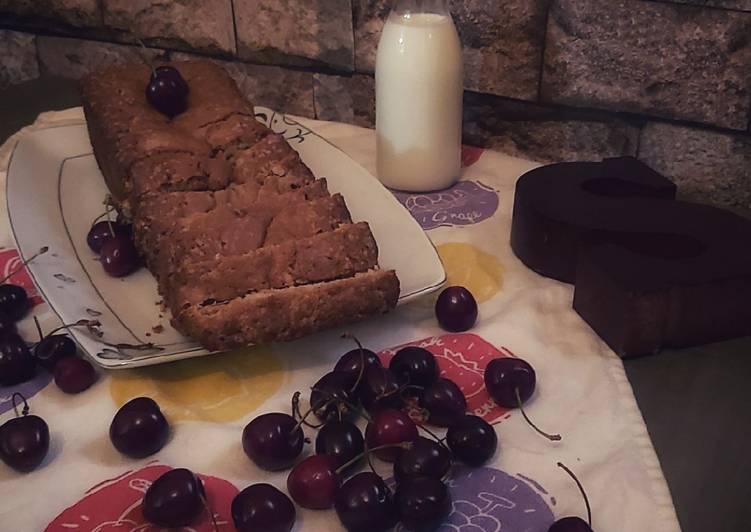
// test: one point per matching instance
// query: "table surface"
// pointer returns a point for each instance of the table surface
(694, 401)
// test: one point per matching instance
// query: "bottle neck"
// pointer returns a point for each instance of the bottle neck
(440, 7)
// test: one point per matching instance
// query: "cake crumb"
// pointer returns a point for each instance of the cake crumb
(158, 329)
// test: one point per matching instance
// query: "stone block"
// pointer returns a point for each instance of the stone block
(743, 5)
(296, 32)
(502, 42)
(74, 58)
(349, 99)
(19, 53)
(186, 24)
(708, 166)
(52, 13)
(545, 134)
(284, 90)
(661, 59)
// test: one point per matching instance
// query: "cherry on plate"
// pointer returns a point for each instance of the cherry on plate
(119, 256)
(472, 440)
(423, 503)
(105, 230)
(313, 482)
(390, 427)
(273, 441)
(444, 402)
(426, 458)
(139, 428)
(365, 504)
(175, 499)
(456, 309)
(74, 375)
(341, 440)
(262, 507)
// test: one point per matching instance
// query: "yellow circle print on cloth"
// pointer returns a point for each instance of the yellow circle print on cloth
(216, 388)
(466, 265)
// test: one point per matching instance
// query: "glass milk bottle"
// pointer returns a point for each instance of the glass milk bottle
(419, 86)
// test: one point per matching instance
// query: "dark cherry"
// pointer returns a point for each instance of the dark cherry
(365, 504)
(139, 428)
(119, 256)
(53, 348)
(273, 441)
(341, 440)
(313, 482)
(17, 365)
(423, 503)
(456, 309)
(504, 376)
(24, 440)
(14, 301)
(414, 365)
(444, 402)
(570, 524)
(351, 361)
(379, 389)
(74, 375)
(426, 458)
(7, 326)
(472, 440)
(105, 230)
(174, 500)
(167, 91)
(390, 427)
(262, 507)
(331, 396)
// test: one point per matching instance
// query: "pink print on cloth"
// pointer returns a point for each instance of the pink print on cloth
(10, 261)
(115, 505)
(470, 155)
(465, 203)
(462, 358)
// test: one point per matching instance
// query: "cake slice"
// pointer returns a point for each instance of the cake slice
(336, 254)
(289, 313)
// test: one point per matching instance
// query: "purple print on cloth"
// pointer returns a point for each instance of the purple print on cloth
(28, 389)
(467, 202)
(489, 500)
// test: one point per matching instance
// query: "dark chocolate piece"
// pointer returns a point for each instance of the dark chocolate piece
(650, 272)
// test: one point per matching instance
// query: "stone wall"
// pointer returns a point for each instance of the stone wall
(666, 80)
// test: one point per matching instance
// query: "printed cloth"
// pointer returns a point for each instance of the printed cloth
(582, 392)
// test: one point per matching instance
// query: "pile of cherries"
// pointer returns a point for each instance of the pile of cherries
(113, 243)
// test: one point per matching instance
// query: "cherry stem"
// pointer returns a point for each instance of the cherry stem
(296, 411)
(39, 328)
(551, 437)
(362, 360)
(25, 409)
(433, 435)
(79, 323)
(581, 488)
(14, 271)
(349, 404)
(209, 511)
(402, 445)
(310, 410)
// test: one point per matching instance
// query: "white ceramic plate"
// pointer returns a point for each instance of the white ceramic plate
(55, 190)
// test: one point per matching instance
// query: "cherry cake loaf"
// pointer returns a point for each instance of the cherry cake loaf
(247, 246)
